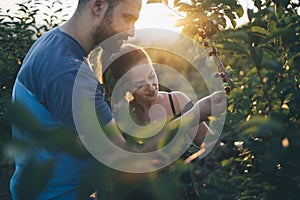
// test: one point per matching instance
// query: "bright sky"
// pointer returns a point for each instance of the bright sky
(151, 16)
(160, 16)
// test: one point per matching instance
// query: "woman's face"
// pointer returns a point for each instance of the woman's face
(143, 83)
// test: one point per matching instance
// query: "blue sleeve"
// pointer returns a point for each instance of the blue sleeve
(58, 97)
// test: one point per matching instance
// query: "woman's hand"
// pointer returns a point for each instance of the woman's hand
(212, 105)
(219, 103)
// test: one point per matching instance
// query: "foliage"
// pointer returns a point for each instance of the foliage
(256, 157)
(205, 18)
(18, 31)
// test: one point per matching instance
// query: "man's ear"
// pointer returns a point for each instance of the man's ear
(98, 6)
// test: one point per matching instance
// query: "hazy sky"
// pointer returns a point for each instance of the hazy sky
(11, 4)
(151, 14)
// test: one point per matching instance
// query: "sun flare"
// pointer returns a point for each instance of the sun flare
(157, 15)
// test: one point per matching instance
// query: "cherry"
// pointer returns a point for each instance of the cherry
(227, 89)
(222, 74)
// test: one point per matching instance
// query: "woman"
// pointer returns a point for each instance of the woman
(131, 69)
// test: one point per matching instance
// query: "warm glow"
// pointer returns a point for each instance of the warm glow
(157, 15)
(285, 142)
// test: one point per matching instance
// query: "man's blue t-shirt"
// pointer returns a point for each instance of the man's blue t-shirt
(44, 86)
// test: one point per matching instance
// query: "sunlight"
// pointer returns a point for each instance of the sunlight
(157, 15)
(154, 15)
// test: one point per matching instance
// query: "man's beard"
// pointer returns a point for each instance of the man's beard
(105, 35)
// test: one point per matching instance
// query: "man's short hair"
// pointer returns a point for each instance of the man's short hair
(110, 2)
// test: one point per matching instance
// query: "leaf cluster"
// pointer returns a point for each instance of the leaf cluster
(261, 134)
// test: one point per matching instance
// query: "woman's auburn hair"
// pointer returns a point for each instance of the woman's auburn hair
(121, 62)
(128, 56)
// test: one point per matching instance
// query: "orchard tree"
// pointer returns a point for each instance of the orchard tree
(257, 153)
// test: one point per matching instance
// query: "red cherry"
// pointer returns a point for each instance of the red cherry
(222, 74)
(227, 89)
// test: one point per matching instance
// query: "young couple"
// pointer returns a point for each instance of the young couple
(44, 86)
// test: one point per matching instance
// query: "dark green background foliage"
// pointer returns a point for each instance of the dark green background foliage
(256, 157)
(18, 31)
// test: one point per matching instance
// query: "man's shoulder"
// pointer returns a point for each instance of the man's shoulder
(53, 55)
(57, 43)
(55, 50)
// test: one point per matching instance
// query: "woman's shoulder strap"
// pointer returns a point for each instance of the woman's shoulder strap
(172, 104)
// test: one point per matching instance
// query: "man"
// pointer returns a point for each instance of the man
(45, 82)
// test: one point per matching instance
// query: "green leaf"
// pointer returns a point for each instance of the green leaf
(272, 25)
(230, 15)
(295, 59)
(239, 11)
(238, 35)
(250, 13)
(260, 30)
(279, 32)
(258, 4)
(232, 4)
(235, 46)
(257, 55)
(271, 64)
(233, 22)
(238, 178)
(227, 162)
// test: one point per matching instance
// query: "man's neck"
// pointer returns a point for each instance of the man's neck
(79, 31)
